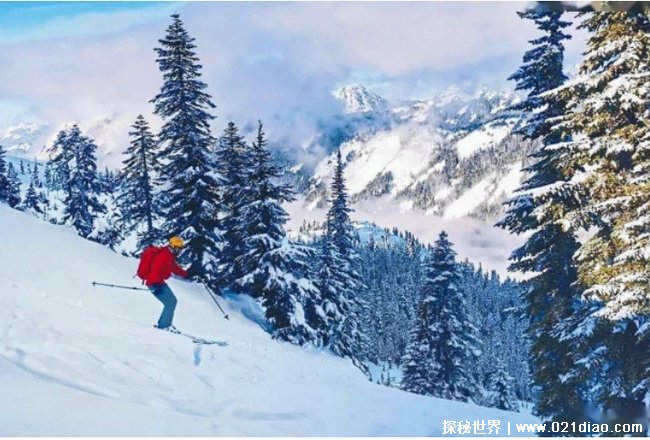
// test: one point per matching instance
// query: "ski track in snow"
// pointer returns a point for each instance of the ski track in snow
(82, 360)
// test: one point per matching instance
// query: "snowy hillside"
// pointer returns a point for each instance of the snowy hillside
(452, 156)
(86, 361)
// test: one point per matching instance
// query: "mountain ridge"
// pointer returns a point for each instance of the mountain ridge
(453, 155)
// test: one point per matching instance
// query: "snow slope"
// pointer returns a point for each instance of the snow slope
(430, 155)
(78, 360)
(478, 140)
(403, 152)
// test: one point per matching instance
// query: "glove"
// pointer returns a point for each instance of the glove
(194, 273)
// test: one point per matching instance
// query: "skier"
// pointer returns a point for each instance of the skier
(157, 264)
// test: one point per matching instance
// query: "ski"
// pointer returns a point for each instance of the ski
(201, 341)
(194, 339)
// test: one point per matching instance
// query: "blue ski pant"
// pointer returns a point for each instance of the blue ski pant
(164, 294)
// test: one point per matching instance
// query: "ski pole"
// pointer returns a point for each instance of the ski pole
(215, 301)
(117, 286)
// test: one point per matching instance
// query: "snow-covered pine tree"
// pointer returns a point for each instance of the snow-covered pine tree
(47, 174)
(322, 314)
(31, 202)
(286, 291)
(36, 177)
(4, 181)
(538, 209)
(391, 272)
(500, 387)
(190, 198)
(616, 142)
(60, 155)
(339, 280)
(136, 197)
(494, 307)
(82, 204)
(339, 225)
(443, 346)
(110, 181)
(111, 235)
(541, 71)
(13, 187)
(417, 363)
(274, 269)
(44, 203)
(234, 165)
(607, 114)
(22, 167)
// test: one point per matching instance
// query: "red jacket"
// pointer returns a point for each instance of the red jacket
(162, 267)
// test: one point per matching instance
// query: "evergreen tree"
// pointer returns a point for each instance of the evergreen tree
(418, 363)
(541, 71)
(61, 155)
(391, 272)
(234, 164)
(616, 142)
(339, 226)
(44, 202)
(136, 196)
(22, 167)
(607, 113)
(32, 201)
(443, 346)
(500, 387)
(286, 290)
(76, 159)
(4, 180)
(13, 187)
(190, 198)
(111, 235)
(274, 269)
(538, 209)
(82, 206)
(47, 174)
(326, 312)
(110, 181)
(339, 281)
(36, 178)
(494, 307)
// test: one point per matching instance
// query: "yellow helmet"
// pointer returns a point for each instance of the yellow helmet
(176, 242)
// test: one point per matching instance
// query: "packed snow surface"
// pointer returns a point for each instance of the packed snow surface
(82, 360)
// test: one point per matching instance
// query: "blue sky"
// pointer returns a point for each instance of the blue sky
(33, 21)
(93, 63)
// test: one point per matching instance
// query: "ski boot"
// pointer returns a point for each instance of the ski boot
(170, 329)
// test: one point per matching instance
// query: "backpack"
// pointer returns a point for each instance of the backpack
(146, 260)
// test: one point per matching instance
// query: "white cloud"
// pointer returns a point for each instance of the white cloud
(474, 240)
(398, 38)
(275, 61)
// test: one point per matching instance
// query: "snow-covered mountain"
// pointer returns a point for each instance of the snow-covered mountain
(82, 360)
(30, 140)
(358, 99)
(453, 155)
(25, 139)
